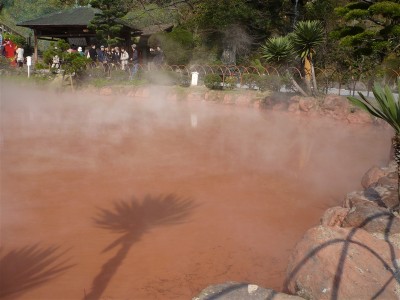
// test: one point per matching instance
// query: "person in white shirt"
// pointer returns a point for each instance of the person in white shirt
(20, 56)
(124, 58)
(1, 43)
(56, 60)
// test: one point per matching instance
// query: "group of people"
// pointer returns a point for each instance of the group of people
(115, 56)
(119, 56)
(107, 56)
(12, 51)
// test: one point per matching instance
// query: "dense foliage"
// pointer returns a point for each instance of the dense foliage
(105, 23)
(356, 39)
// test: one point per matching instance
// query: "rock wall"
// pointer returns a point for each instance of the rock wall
(355, 252)
(332, 106)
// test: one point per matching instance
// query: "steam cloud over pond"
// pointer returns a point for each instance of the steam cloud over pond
(156, 199)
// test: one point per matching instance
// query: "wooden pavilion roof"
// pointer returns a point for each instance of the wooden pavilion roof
(69, 23)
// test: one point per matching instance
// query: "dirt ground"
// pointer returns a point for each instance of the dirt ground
(122, 198)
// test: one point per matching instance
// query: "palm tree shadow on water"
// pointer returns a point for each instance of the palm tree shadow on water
(29, 267)
(133, 219)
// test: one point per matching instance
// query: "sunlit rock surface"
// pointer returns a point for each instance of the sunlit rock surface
(343, 263)
(241, 291)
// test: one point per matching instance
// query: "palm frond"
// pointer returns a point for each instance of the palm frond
(278, 50)
(385, 106)
(307, 35)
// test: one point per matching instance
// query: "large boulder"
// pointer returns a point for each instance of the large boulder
(294, 107)
(387, 195)
(334, 216)
(378, 194)
(335, 106)
(361, 197)
(343, 263)
(306, 104)
(382, 175)
(372, 219)
(372, 176)
(241, 291)
(359, 117)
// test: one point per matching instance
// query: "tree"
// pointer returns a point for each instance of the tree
(371, 27)
(279, 52)
(387, 108)
(105, 22)
(306, 37)
(303, 41)
(151, 14)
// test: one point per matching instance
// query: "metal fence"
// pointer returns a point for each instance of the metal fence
(329, 81)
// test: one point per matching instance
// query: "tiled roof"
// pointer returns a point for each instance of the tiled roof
(80, 16)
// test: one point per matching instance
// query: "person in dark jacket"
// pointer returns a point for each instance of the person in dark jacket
(158, 59)
(93, 53)
(135, 61)
(104, 58)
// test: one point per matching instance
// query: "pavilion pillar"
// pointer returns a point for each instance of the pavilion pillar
(35, 45)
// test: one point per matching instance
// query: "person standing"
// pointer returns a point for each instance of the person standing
(93, 53)
(9, 48)
(135, 61)
(159, 57)
(101, 55)
(1, 43)
(80, 51)
(103, 59)
(124, 58)
(20, 56)
(117, 56)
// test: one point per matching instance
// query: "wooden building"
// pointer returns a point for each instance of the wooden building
(72, 25)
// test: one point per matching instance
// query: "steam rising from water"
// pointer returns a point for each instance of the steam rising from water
(80, 130)
(258, 177)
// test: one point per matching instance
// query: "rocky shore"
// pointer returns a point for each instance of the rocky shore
(353, 254)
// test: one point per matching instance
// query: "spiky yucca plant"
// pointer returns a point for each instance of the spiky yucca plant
(306, 37)
(386, 107)
(278, 50)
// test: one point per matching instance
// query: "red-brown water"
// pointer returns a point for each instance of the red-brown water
(122, 198)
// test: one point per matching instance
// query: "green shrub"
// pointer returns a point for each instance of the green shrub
(56, 48)
(230, 82)
(71, 63)
(251, 80)
(74, 63)
(185, 81)
(270, 82)
(16, 39)
(213, 81)
(262, 82)
(40, 66)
